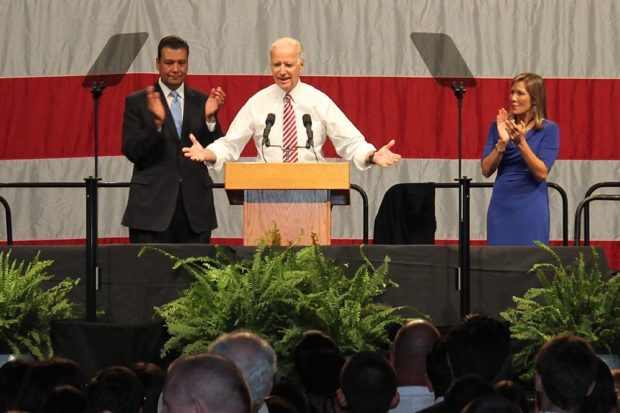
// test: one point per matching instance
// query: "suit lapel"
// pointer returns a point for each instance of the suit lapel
(189, 110)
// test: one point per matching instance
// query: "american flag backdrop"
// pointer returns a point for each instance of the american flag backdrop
(357, 51)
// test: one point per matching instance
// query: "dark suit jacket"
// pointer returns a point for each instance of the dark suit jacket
(407, 215)
(160, 169)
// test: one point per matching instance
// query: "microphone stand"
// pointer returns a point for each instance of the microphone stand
(97, 91)
(463, 281)
(91, 215)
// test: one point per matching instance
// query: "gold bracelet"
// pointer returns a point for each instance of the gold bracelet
(499, 150)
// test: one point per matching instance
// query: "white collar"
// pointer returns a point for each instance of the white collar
(166, 90)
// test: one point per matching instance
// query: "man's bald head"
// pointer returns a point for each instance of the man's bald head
(413, 342)
(209, 380)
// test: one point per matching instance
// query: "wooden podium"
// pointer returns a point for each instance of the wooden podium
(295, 197)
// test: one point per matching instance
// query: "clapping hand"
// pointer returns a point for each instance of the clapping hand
(155, 106)
(516, 130)
(502, 126)
(214, 101)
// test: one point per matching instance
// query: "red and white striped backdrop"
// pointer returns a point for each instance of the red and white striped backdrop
(358, 52)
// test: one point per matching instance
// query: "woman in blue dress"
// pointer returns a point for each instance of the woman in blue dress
(521, 146)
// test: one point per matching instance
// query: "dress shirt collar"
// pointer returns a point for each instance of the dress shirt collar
(294, 93)
(166, 90)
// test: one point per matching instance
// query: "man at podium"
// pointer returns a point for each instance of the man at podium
(289, 122)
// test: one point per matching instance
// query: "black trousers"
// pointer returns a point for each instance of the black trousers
(178, 232)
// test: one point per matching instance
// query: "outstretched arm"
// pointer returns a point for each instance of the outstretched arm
(197, 152)
(384, 157)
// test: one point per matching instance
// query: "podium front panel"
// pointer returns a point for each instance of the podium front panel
(296, 214)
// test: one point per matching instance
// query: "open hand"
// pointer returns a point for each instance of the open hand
(384, 157)
(197, 152)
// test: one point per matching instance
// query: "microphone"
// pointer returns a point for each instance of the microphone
(271, 118)
(308, 125)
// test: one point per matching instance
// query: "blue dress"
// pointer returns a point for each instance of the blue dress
(518, 213)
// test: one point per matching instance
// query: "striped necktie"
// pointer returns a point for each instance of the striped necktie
(175, 109)
(289, 142)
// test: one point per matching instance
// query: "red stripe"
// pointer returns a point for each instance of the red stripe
(52, 117)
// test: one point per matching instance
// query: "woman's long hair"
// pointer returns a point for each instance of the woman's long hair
(535, 87)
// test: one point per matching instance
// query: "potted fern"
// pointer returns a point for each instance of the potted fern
(576, 299)
(26, 309)
(279, 293)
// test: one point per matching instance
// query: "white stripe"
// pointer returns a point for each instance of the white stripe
(60, 213)
(557, 38)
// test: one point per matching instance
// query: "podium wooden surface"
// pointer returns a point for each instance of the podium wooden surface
(294, 197)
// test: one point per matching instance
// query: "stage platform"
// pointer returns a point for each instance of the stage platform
(132, 286)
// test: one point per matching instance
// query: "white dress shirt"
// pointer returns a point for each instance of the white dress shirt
(166, 91)
(413, 399)
(327, 120)
(181, 91)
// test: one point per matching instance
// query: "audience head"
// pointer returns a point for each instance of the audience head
(603, 397)
(368, 384)
(616, 375)
(513, 392)
(292, 394)
(43, 377)
(438, 369)
(12, 374)
(64, 399)
(565, 372)
(254, 357)
(492, 404)
(206, 381)
(465, 389)
(152, 378)
(278, 404)
(412, 344)
(116, 389)
(318, 363)
(479, 345)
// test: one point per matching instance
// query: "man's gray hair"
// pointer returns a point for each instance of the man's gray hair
(254, 356)
(289, 40)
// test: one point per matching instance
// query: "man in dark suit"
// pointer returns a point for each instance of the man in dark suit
(170, 200)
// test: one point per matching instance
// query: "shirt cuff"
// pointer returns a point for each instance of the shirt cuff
(211, 125)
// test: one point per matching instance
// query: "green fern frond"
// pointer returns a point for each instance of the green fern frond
(26, 310)
(279, 293)
(572, 299)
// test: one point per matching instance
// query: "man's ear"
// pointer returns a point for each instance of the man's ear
(198, 407)
(591, 388)
(342, 400)
(429, 383)
(538, 384)
(395, 400)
